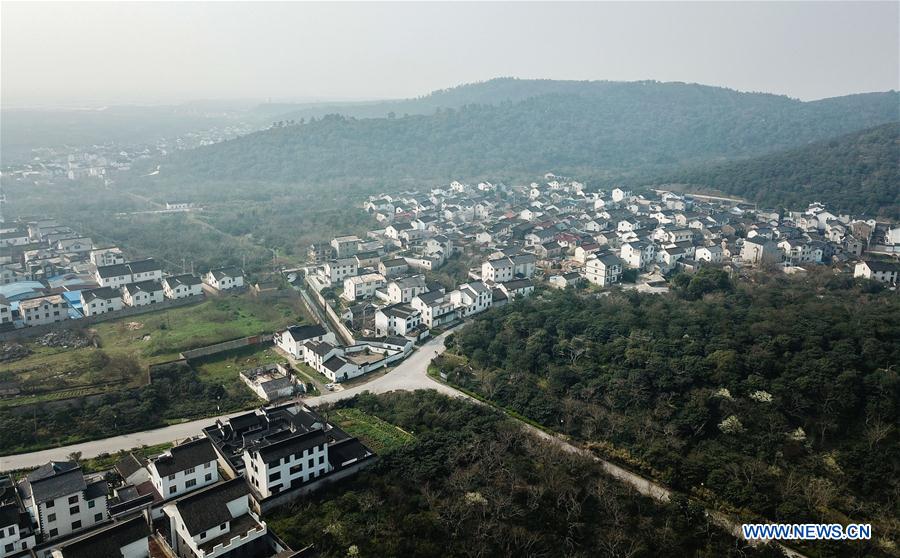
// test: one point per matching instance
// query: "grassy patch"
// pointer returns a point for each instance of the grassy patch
(224, 368)
(130, 344)
(377, 434)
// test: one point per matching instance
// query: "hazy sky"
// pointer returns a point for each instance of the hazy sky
(75, 53)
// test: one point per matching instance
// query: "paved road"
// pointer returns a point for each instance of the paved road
(409, 375)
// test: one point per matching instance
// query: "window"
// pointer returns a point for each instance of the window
(51, 503)
(171, 477)
(223, 526)
(208, 477)
(92, 503)
(74, 510)
(188, 471)
(190, 483)
(202, 535)
(311, 463)
(73, 499)
(321, 459)
(51, 518)
(9, 547)
(275, 476)
(98, 517)
(76, 525)
(171, 490)
(54, 532)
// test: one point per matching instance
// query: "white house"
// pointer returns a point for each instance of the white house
(129, 538)
(397, 319)
(711, 254)
(292, 339)
(472, 298)
(5, 311)
(637, 255)
(217, 521)
(335, 271)
(405, 289)
(362, 286)
(345, 246)
(61, 501)
(101, 301)
(603, 270)
(224, 278)
(44, 310)
(278, 466)
(184, 468)
(519, 288)
(886, 272)
(142, 294)
(393, 267)
(118, 275)
(182, 286)
(760, 250)
(435, 307)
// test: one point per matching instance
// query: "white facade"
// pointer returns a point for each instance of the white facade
(397, 320)
(711, 254)
(44, 310)
(404, 290)
(603, 271)
(101, 301)
(142, 294)
(308, 460)
(181, 286)
(472, 298)
(224, 279)
(292, 339)
(182, 482)
(335, 271)
(362, 286)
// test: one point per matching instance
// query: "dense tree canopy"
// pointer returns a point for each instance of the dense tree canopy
(474, 484)
(568, 127)
(781, 398)
(858, 173)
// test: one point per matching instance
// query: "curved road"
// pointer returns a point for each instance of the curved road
(410, 375)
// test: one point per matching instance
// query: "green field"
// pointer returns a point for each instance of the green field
(380, 436)
(224, 368)
(129, 345)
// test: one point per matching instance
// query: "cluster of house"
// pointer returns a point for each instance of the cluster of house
(574, 235)
(49, 274)
(320, 350)
(50, 165)
(203, 498)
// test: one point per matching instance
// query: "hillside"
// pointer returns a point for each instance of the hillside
(569, 127)
(858, 173)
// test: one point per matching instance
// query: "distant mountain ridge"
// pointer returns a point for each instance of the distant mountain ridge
(857, 173)
(538, 125)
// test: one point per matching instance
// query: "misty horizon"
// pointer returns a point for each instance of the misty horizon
(87, 55)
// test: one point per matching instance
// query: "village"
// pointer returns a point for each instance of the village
(375, 299)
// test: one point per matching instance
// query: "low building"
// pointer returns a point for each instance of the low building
(184, 468)
(100, 301)
(393, 267)
(224, 278)
(885, 272)
(182, 286)
(471, 298)
(270, 382)
(564, 280)
(520, 288)
(107, 256)
(143, 293)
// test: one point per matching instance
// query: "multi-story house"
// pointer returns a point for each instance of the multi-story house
(182, 286)
(335, 271)
(362, 286)
(436, 308)
(472, 298)
(184, 468)
(711, 254)
(16, 531)
(224, 278)
(405, 289)
(100, 301)
(129, 538)
(637, 255)
(886, 272)
(119, 275)
(397, 319)
(345, 246)
(603, 270)
(44, 310)
(5, 311)
(276, 466)
(142, 294)
(61, 500)
(217, 522)
(292, 339)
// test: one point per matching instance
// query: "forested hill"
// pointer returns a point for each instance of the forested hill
(856, 173)
(582, 127)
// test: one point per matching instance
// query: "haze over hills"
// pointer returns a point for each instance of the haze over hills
(857, 172)
(534, 126)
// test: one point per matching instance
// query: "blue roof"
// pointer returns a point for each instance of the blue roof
(20, 290)
(73, 298)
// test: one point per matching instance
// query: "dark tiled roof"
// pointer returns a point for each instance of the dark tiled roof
(114, 270)
(185, 456)
(208, 508)
(142, 266)
(334, 363)
(103, 293)
(55, 479)
(129, 465)
(226, 272)
(294, 444)
(302, 333)
(143, 286)
(107, 541)
(187, 279)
